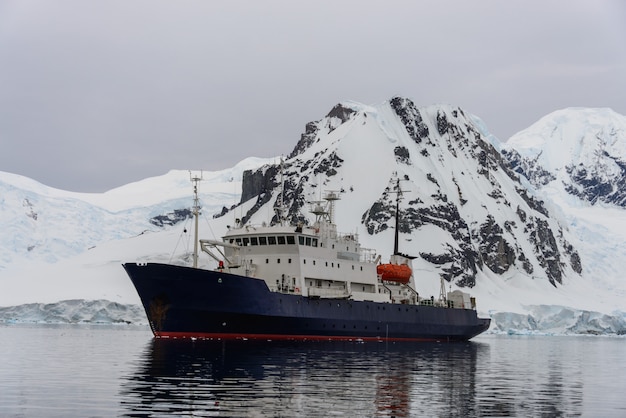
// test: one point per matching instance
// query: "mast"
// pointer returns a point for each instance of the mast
(196, 214)
(397, 231)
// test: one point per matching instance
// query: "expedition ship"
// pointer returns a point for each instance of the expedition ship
(298, 282)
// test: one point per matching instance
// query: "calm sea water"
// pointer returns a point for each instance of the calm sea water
(98, 371)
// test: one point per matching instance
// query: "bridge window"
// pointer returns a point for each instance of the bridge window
(291, 240)
(308, 241)
(254, 241)
(301, 240)
(271, 240)
(246, 241)
(262, 240)
(314, 242)
(281, 240)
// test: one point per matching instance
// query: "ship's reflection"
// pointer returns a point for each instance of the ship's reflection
(250, 378)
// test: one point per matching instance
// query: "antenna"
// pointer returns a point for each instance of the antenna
(196, 214)
(398, 191)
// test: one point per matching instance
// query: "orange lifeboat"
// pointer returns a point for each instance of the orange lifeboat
(394, 272)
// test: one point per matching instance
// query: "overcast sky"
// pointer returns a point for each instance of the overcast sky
(97, 94)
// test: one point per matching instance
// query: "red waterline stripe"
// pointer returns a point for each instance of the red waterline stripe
(224, 336)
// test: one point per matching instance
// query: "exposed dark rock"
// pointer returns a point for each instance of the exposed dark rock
(526, 264)
(306, 139)
(536, 174)
(546, 249)
(341, 113)
(592, 185)
(171, 218)
(437, 259)
(432, 179)
(570, 251)
(496, 253)
(259, 184)
(223, 212)
(30, 210)
(402, 155)
(258, 181)
(532, 202)
(329, 165)
(522, 214)
(442, 123)
(410, 117)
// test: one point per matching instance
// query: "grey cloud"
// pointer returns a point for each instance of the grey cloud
(97, 94)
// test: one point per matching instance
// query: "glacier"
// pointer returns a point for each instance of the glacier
(77, 311)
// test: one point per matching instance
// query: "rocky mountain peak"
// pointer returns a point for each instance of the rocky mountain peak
(465, 210)
(337, 115)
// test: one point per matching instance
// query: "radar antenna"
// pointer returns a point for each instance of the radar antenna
(326, 212)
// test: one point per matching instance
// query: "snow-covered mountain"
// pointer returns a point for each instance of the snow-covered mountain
(40, 223)
(465, 211)
(574, 152)
(468, 212)
(575, 159)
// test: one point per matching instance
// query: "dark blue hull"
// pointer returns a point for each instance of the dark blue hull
(187, 302)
